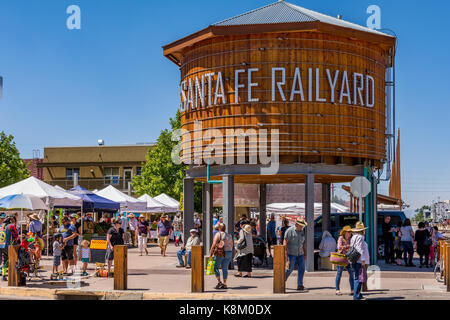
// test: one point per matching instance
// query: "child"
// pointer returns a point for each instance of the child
(85, 255)
(57, 247)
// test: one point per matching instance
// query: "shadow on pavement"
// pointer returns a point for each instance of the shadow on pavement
(387, 298)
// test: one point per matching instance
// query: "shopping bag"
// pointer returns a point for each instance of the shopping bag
(210, 267)
(339, 259)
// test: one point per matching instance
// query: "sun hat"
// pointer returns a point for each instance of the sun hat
(345, 229)
(247, 228)
(141, 216)
(163, 216)
(33, 216)
(359, 227)
(193, 230)
(301, 222)
(131, 215)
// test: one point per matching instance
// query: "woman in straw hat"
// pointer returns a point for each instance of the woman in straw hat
(361, 246)
(244, 255)
(343, 245)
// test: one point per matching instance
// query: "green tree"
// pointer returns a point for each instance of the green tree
(420, 215)
(160, 174)
(12, 167)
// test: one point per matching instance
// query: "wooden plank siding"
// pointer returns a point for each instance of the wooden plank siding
(304, 126)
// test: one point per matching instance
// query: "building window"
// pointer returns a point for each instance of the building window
(70, 172)
(138, 171)
(111, 176)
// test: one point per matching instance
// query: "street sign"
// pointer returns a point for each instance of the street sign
(360, 187)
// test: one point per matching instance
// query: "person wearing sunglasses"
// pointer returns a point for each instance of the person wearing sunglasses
(114, 237)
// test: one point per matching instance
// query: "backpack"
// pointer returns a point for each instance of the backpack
(219, 250)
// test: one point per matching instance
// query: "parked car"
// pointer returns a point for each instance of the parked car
(339, 220)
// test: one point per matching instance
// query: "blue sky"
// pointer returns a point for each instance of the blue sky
(110, 80)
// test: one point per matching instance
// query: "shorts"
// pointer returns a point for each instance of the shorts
(85, 260)
(56, 261)
(67, 253)
(163, 240)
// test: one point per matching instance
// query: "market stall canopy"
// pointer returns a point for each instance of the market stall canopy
(127, 203)
(93, 202)
(60, 188)
(299, 208)
(22, 201)
(154, 205)
(42, 190)
(168, 202)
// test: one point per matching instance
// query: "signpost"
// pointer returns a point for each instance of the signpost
(360, 187)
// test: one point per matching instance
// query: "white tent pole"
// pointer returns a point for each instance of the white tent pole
(48, 223)
(82, 220)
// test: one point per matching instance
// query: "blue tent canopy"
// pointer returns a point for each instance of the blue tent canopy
(93, 202)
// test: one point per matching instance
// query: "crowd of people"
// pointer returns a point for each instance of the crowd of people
(401, 241)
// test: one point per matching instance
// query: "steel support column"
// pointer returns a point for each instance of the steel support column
(188, 207)
(207, 216)
(374, 220)
(326, 207)
(262, 210)
(228, 202)
(309, 212)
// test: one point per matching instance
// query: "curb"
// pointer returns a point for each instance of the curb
(70, 294)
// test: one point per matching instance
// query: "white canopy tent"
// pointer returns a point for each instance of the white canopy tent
(40, 189)
(127, 203)
(154, 205)
(299, 208)
(52, 196)
(169, 202)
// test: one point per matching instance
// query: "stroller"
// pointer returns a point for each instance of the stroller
(23, 266)
(260, 253)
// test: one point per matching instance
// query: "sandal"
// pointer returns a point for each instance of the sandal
(246, 276)
(219, 285)
(223, 286)
(338, 293)
(238, 276)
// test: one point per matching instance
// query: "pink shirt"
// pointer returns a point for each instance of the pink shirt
(342, 245)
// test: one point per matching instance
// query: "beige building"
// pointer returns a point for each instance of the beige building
(96, 166)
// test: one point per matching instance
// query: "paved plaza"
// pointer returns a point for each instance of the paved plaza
(156, 277)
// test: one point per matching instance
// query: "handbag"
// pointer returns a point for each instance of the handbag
(353, 255)
(210, 266)
(242, 245)
(339, 259)
(362, 276)
(427, 242)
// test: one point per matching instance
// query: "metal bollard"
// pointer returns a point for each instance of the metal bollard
(279, 269)
(198, 269)
(120, 267)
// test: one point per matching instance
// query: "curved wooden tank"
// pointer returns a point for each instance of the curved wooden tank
(323, 127)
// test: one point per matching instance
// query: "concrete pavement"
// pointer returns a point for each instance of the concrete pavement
(156, 277)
